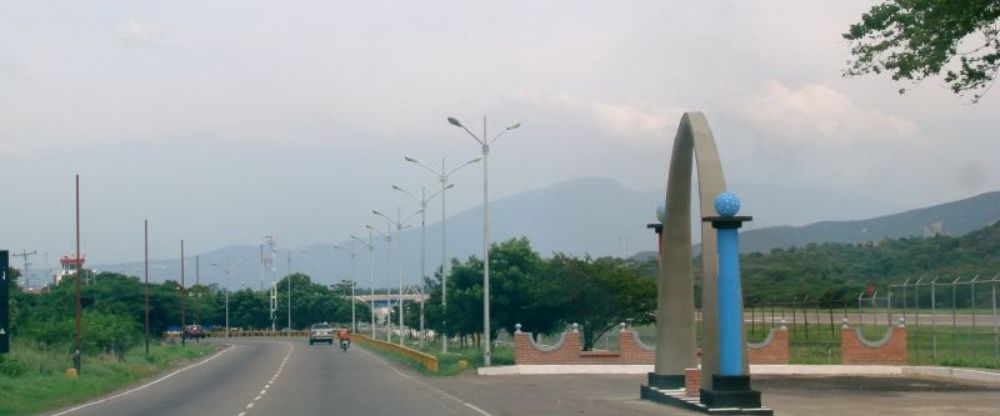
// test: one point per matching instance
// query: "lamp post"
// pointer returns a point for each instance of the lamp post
(388, 248)
(226, 271)
(400, 226)
(354, 282)
(422, 202)
(371, 274)
(485, 144)
(443, 176)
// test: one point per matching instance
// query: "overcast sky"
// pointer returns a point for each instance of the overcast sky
(223, 121)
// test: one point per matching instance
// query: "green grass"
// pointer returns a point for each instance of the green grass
(32, 377)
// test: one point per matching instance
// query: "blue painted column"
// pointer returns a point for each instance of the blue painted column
(727, 225)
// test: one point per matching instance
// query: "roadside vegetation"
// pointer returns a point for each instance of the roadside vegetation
(32, 377)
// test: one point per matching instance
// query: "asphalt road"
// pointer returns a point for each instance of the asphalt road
(291, 378)
(282, 377)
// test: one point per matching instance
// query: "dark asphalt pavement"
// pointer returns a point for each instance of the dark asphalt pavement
(286, 378)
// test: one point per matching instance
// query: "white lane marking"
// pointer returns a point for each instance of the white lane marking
(144, 386)
(288, 355)
(439, 391)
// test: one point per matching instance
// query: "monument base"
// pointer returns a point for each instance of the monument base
(666, 381)
(730, 391)
(729, 396)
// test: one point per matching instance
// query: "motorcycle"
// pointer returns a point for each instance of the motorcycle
(344, 344)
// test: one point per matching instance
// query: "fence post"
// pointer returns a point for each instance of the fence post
(996, 345)
(972, 287)
(954, 317)
(916, 307)
(805, 315)
(934, 319)
(830, 306)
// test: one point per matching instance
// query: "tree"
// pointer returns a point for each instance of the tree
(916, 39)
(601, 293)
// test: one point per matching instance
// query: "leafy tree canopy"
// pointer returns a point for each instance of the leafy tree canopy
(916, 39)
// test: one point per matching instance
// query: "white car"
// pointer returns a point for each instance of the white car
(321, 332)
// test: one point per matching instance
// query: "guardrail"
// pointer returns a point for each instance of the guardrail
(246, 334)
(429, 362)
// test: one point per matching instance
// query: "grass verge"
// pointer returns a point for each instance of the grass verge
(32, 377)
(448, 364)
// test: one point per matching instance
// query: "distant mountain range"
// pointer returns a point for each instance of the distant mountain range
(596, 216)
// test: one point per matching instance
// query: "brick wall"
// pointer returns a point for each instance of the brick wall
(773, 352)
(692, 382)
(853, 351)
(629, 351)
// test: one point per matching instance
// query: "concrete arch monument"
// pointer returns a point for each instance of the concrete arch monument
(675, 325)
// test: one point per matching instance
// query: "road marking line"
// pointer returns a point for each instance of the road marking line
(288, 355)
(144, 386)
(439, 391)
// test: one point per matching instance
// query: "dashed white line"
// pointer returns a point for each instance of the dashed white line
(273, 378)
(144, 386)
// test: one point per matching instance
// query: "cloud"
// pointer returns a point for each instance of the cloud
(632, 123)
(818, 114)
(133, 33)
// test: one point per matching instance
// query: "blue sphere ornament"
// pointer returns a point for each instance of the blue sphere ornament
(727, 204)
(661, 213)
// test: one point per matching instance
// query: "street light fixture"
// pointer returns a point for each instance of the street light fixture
(422, 202)
(484, 144)
(371, 273)
(443, 176)
(400, 226)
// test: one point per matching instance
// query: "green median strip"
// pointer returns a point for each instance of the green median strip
(33, 379)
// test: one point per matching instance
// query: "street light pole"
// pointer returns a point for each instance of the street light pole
(354, 281)
(388, 248)
(400, 226)
(371, 274)
(145, 226)
(443, 176)
(422, 202)
(485, 145)
(226, 271)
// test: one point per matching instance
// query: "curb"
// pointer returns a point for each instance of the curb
(959, 374)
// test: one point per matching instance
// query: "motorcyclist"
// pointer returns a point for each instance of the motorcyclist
(344, 335)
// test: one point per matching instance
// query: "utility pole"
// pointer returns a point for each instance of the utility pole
(269, 265)
(183, 294)
(197, 293)
(27, 276)
(79, 265)
(289, 277)
(145, 256)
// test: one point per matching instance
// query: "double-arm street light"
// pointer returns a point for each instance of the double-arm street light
(354, 281)
(484, 144)
(443, 177)
(371, 274)
(388, 248)
(226, 271)
(422, 202)
(400, 225)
